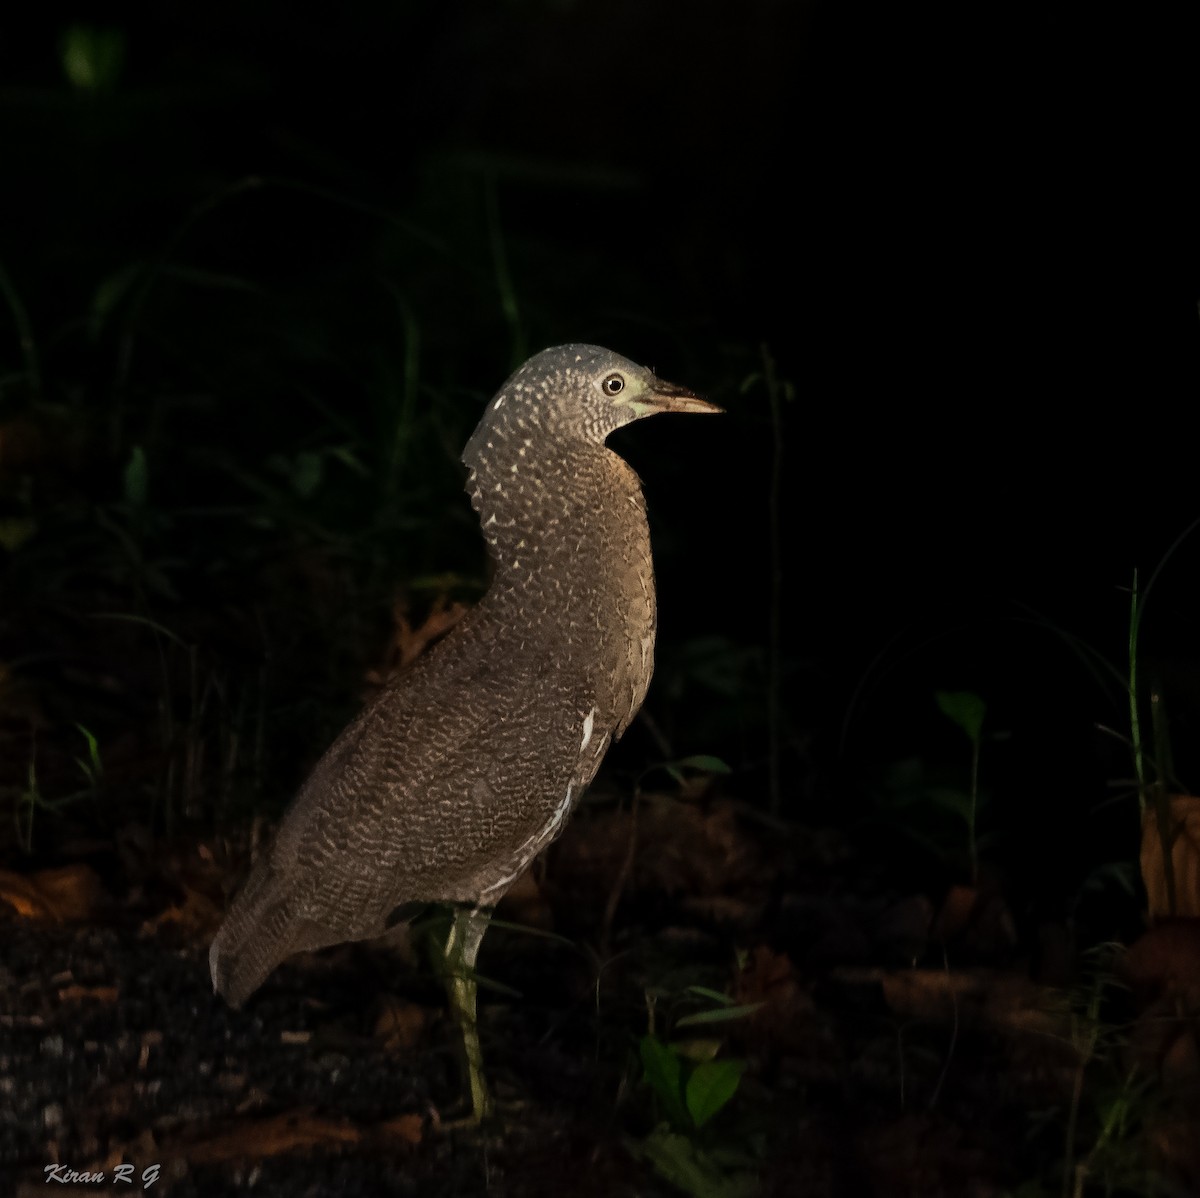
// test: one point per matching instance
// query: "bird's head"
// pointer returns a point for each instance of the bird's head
(580, 393)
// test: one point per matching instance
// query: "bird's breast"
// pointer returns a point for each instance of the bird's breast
(574, 581)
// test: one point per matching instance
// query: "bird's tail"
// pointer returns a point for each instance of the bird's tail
(259, 931)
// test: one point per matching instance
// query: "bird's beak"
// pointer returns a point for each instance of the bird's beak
(668, 397)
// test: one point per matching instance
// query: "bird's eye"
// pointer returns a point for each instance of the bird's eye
(614, 384)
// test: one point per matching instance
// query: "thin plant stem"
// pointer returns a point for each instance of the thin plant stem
(941, 1081)
(1135, 727)
(402, 433)
(1137, 609)
(504, 282)
(1151, 792)
(775, 616)
(1087, 1050)
(24, 331)
(154, 270)
(623, 875)
(972, 847)
(150, 277)
(1112, 1126)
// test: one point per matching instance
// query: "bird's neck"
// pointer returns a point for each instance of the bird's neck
(551, 510)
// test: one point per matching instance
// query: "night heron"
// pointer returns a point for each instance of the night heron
(464, 767)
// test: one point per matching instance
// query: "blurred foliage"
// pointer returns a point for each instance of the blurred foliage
(92, 58)
(691, 1085)
(236, 374)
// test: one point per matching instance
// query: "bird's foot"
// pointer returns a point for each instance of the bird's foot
(461, 1115)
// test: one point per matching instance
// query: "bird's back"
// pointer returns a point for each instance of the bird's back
(430, 794)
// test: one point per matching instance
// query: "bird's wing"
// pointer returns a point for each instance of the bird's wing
(449, 771)
(445, 771)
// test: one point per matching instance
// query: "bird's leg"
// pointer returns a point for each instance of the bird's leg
(462, 947)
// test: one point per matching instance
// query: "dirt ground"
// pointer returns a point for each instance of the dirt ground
(876, 1063)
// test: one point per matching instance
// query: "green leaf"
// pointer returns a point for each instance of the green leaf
(109, 294)
(714, 995)
(93, 768)
(717, 663)
(703, 762)
(710, 1087)
(306, 473)
(720, 1015)
(348, 458)
(525, 929)
(966, 709)
(951, 799)
(136, 478)
(199, 277)
(92, 58)
(697, 1050)
(15, 531)
(664, 1073)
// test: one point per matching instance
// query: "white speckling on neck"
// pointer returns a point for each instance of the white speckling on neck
(588, 725)
(499, 401)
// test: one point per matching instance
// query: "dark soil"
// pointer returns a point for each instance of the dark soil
(340, 1075)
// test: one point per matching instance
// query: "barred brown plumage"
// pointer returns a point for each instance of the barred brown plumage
(463, 768)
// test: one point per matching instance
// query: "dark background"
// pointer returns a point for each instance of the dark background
(270, 266)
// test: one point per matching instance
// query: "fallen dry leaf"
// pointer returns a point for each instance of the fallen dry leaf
(23, 896)
(196, 917)
(980, 997)
(1185, 859)
(254, 1139)
(785, 1020)
(1165, 962)
(409, 1129)
(408, 643)
(697, 850)
(78, 993)
(978, 920)
(400, 1025)
(1176, 1144)
(955, 913)
(69, 894)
